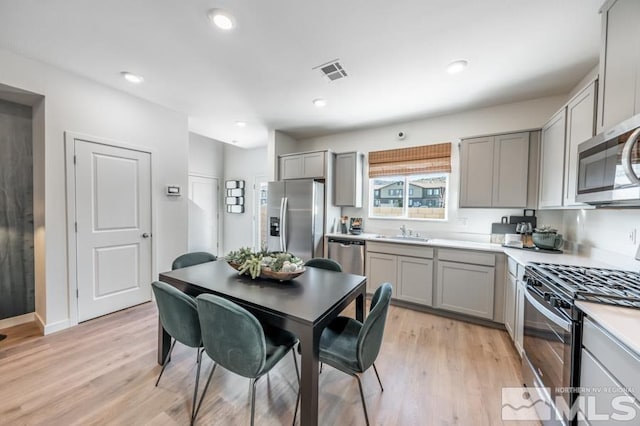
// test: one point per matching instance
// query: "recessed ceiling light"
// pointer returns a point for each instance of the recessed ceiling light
(457, 66)
(241, 124)
(221, 19)
(131, 77)
(320, 102)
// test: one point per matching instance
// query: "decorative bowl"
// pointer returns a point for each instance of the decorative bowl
(547, 240)
(272, 275)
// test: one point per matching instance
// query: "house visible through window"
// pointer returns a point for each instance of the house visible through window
(410, 183)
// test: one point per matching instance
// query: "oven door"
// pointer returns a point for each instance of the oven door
(609, 166)
(548, 347)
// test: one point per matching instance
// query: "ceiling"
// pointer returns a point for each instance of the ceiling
(261, 72)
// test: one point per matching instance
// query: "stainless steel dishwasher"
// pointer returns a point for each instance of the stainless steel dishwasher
(348, 253)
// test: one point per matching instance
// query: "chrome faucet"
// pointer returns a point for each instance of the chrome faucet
(403, 229)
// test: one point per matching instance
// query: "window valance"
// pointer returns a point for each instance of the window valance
(410, 161)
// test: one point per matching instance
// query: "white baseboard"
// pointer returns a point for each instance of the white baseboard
(20, 319)
(39, 322)
(56, 326)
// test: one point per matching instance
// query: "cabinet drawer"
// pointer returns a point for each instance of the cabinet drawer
(467, 256)
(401, 249)
(512, 266)
(623, 364)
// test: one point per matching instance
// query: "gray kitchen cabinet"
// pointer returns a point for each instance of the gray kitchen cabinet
(348, 179)
(510, 305)
(519, 321)
(608, 370)
(465, 288)
(581, 120)
(415, 280)
(408, 268)
(619, 63)
(494, 171)
(381, 268)
(303, 165)
(552, 162)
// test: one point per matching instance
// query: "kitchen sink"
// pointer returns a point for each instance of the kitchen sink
(403, 238)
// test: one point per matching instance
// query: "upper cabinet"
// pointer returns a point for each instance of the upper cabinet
(581, 120)
(494, 171)
(348, 179)
(619, 63)
(552, 161)
(568, 128)
(304, 165)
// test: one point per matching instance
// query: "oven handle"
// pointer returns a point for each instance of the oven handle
(564, 324)
(626, 157)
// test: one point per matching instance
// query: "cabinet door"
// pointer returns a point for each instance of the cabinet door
(510, 170)
(581, 112)
(348, 181)
(510, 306)
(476, 172)
(465, 288)
(381, 268)
(415, 280)
(518, 326)
(313, 165)
(552, 162)
(619, 62)
(291, 167)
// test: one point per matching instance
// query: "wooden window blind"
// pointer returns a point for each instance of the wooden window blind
(411, 161)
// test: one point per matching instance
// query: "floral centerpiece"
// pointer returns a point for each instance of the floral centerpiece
(279, 265)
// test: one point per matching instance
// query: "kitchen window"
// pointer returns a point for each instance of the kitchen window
(410, 183)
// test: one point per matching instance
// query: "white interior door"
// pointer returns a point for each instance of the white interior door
(203, 214)
(113, 220)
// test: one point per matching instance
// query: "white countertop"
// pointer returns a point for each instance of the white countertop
(622, 323)
(434, 242)
(527, 256)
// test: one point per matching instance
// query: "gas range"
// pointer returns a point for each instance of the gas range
(570, 283)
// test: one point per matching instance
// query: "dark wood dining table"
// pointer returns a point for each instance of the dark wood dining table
(303, 306)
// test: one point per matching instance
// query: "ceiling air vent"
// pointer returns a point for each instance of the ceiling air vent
(332, 70)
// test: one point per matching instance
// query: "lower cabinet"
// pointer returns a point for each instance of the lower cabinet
(411, 277)
(609, 377)
(465, 288)
(510, 305)
(519, 322)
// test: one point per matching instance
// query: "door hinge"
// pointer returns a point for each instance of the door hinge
(77, 293)
(74, 159)
(76, 226)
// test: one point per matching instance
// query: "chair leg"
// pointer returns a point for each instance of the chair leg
(378, 376)
(295, 362)
(166, 361)
(195, 389)
(253, 399)
(364, 405)
(204, 392)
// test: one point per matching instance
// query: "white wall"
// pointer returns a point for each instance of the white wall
(470, 224)
(79, 105)
(206, 156)
(242, 164)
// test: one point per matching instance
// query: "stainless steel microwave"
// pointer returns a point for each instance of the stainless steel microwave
(609, 166)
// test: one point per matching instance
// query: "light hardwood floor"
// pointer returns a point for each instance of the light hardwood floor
(436, 371)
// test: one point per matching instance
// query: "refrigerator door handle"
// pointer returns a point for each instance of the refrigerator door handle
(281, 221)
(285, 204)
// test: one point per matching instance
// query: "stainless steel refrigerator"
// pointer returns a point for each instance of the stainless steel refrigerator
(296, 217)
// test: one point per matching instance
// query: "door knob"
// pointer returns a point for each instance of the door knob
(145, 235)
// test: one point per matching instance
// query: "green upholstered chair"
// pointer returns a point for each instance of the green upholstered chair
(351, 346)
(320, 262)
(190, 259)
(236, 340)
(179, 317)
